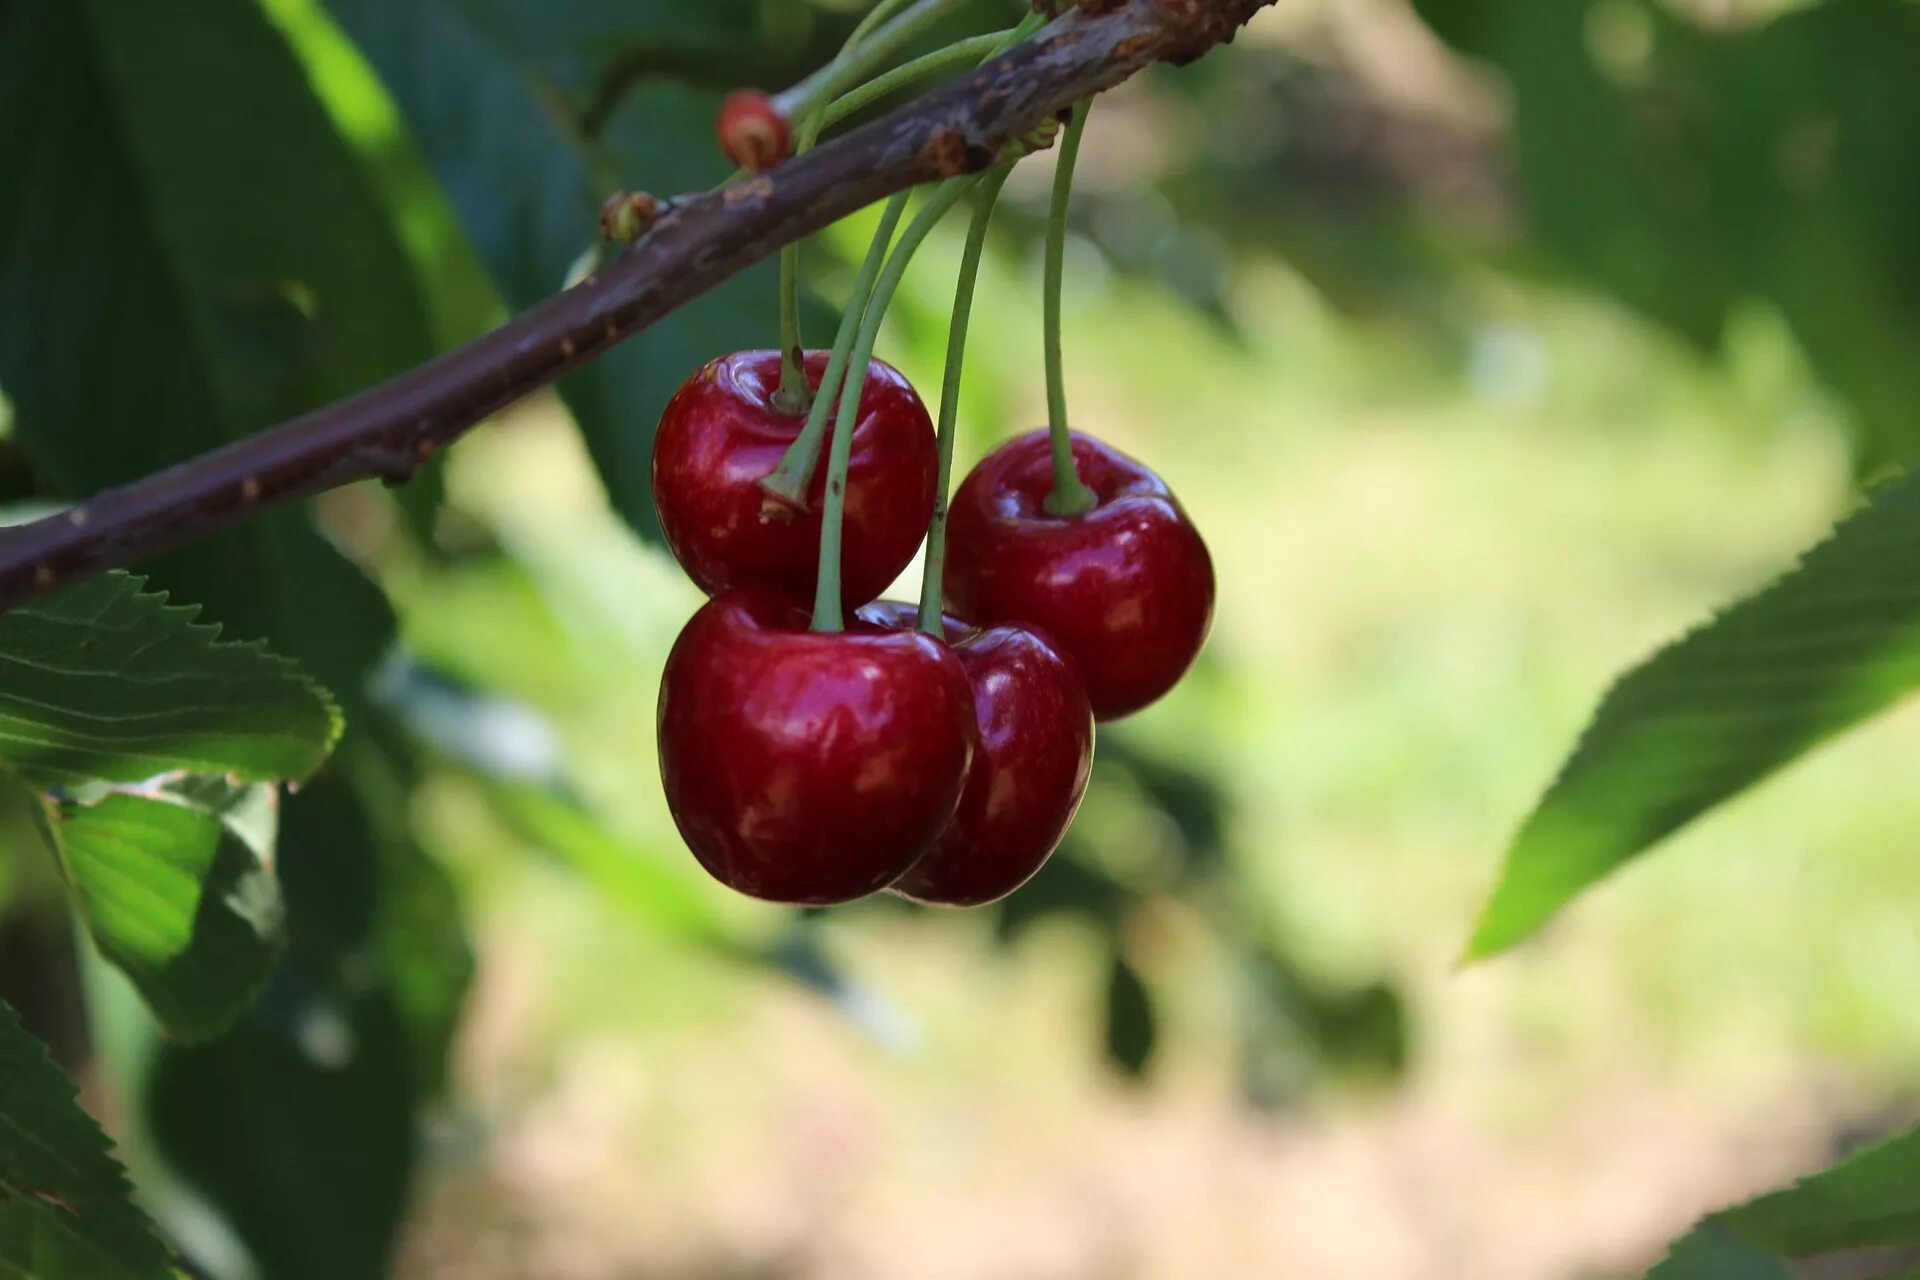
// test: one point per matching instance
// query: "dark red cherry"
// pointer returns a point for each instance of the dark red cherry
(1126, 589)
(721, 436)
(806, 767)
(1030, 763)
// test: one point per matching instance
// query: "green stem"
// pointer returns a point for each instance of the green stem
(863, 56)
(875, 16)
(1069, 496)
(827, 614)
(790, 480)
(930, 583)
(793, 394)
(959, 54)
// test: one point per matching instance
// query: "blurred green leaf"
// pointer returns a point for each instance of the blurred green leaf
(293, 1123)
(512, 752)
(1823, 648)
(1066, 885)
(1870, 1198)
(1132, 1029)
(300, 1122)
(1817, 194)
(1711, 1254)
(189, 252)
(1297, 1027)
(177, 888)
(66, 1211)
(103, 681)
(1612, 171)
(579, 42)
(1684, 169)
(667, 895)
(176, 272)
(528, 183)
(419, 930)
(1191, 800)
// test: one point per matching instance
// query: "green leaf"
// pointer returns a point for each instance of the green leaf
(1870, 1198)
(1711, 1254)
(66, 1209)
(1814, 185)
(190, 252)
(1132, 1030)
(1613, 175)
(172, 876)
(300, 1123)
(1684, 169)
(1065, 885)
(527, 184)
(577, 43)
(419, 928)
(1823, 648)
(104, 681)
(303, 1133)
(177, 888)
(663, 894)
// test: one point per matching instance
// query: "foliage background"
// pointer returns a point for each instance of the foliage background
(1493, 344)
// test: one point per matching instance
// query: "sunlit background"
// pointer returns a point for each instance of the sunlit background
(1451, 493)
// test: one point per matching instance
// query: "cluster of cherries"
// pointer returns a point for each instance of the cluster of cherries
(818, 755)
(815, 767)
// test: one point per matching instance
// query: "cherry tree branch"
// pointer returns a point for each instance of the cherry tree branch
(388, 431)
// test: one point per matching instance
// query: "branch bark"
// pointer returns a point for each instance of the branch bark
(388, 431)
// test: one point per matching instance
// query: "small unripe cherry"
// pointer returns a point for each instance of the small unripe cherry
(625, 216)
(754, 132)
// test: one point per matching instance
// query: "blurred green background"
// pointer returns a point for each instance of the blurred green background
(1491, 346)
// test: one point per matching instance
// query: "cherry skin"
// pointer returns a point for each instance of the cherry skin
(721, 435)
(1030, 764)
(1126, 588)
(805, 767)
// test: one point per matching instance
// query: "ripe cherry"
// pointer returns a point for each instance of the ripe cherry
(1030, 764)
(1126, 588)
(721, 435)
(809, 767)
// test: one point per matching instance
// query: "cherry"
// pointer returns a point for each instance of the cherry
(721, 435)
(1030, 764)
(1126, 587)
(809, 767)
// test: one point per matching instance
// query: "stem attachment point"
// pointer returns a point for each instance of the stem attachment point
(1070, 496)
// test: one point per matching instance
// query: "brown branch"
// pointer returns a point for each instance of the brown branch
(388, 431)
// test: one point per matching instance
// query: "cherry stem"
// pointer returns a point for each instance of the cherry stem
(875, 16)
(793, 394)
(789, 481)
(827, 614)
(1069, 496)
(931, 620)
(865, 51)
(957, 54)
